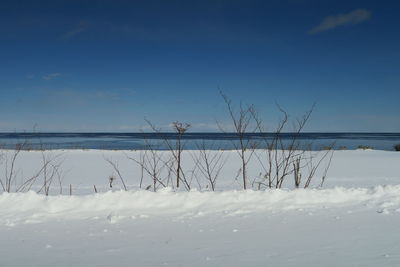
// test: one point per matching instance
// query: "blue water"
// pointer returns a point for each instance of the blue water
(132, 141)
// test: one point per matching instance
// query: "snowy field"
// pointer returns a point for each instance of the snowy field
(352, 221)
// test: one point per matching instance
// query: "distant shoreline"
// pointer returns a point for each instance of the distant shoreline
(212, 141)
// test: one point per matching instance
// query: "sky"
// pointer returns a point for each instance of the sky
(90, 66)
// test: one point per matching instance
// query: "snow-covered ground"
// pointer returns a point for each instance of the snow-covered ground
(352, 221)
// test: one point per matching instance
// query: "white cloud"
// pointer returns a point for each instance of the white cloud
(355, 17)
(51, 76)
(82, 27)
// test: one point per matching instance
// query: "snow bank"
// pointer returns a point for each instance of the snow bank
(16, 208)
(352, 221)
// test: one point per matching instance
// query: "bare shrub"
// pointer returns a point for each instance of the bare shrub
(364, 147)
(50, 168)
(242, 126)
(175, 163)
(397, 147)
(283, 159)
(180, 129)
(311, 166)
(115, 166)
(210, 163)
(151, 162)
(10, 175)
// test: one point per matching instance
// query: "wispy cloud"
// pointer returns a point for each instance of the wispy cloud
(82, 27)
(51, 76)
(355, 17)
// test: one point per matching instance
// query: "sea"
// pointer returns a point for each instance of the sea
(193, 141)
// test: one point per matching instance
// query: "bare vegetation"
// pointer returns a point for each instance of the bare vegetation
(174, 164)
(152, 163)
(210, 162)
(115, 167)
(286, 157)
(284, 160)
(14, 180)
(242, 122)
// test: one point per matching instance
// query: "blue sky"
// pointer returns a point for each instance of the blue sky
(107, 65)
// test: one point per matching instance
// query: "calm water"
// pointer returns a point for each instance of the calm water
(129, 141)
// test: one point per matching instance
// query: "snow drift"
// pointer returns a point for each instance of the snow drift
(32, 207)
(352, 221)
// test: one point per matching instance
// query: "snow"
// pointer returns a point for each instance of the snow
(352, 221)
(20, 208)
